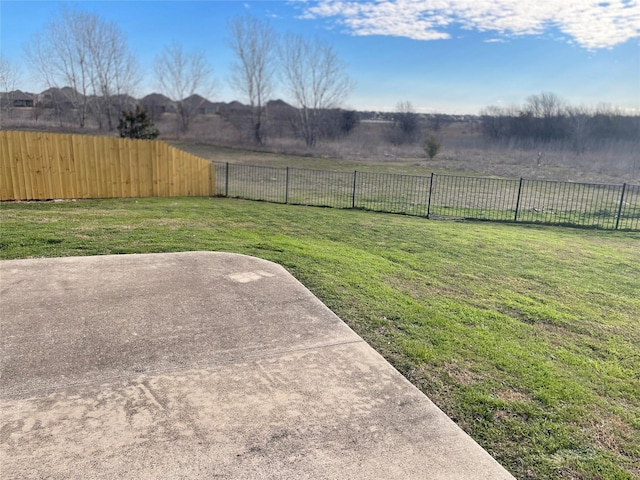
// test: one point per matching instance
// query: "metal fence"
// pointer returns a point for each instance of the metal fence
(439, 196)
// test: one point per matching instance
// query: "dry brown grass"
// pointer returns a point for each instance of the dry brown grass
(464, 152)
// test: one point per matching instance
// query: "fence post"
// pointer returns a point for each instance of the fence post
(515, 218)
(286, 190)
(429, 198)
(624, 187)
(353, 198)
(213, 188)
(226, 180)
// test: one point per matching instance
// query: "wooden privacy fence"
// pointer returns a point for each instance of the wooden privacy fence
(42, 166)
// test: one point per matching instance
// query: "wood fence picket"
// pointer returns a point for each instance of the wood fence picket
(43, 166)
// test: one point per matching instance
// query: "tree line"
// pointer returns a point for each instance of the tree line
(546, 118)
(91, 60)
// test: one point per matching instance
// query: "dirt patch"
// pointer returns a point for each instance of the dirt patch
(513, 396)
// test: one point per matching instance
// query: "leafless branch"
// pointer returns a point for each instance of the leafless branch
(181, 75)
(253, 43)
(316, 79)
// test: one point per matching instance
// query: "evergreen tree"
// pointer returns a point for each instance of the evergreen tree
(137, 124)
(432, 146)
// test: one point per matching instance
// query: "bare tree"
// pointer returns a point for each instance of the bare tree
(316, 79)
(81, 51)
(494, 122)
(181, 76)
(60, 56)
(406, 121)
(547, 109)
(113, 69)
(545, 105)
(9, 75)
(580, 121)
(254, 44)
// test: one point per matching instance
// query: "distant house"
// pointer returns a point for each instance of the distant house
(280, 105)
(198, 104)
(123, 102)
(22, 99)
(18, 99)
(279, 110)
(235, 105)
(57, 98)
(157, 104)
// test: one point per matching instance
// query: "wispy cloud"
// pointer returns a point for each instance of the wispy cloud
(593, 24)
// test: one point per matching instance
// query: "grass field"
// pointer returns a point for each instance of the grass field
(489, 191)
(410, 160)
(527, 336)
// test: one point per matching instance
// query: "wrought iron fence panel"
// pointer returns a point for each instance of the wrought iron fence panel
(256, 183)
(580, 204)
(321, 188)
(481, 198)
(385, 192)
(473, 197)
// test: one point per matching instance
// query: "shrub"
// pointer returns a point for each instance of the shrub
(137, 124)
(432, 146)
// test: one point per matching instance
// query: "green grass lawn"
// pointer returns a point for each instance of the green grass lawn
(527, 336)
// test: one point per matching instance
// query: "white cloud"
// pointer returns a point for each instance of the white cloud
(592, 24)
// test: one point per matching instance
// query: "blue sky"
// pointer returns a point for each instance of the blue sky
(453, 56)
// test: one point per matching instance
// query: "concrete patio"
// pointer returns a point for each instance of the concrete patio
(203, 365)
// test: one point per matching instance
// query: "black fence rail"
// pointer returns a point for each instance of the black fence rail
(602, 206)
